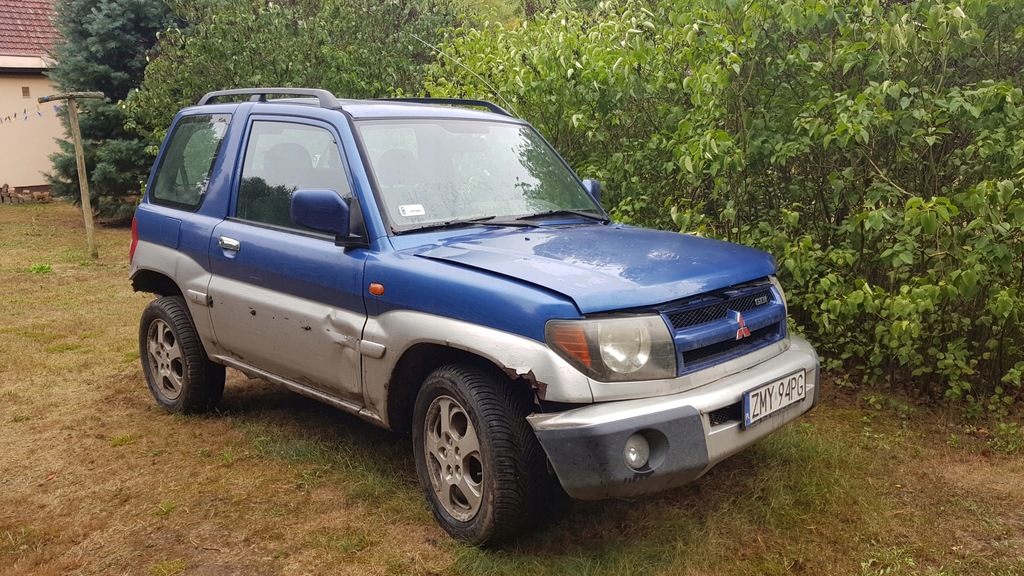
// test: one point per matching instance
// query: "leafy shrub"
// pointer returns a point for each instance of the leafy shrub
(354, 48)
(1008, 438)
(876, 148)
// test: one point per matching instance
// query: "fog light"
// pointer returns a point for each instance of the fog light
(636, 452)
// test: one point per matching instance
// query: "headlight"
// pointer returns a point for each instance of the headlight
(625, 347)
(615, 349)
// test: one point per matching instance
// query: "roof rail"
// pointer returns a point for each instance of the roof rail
(456, 102)
(325, 98)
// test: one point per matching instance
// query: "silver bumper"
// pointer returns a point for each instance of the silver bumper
(585, 445)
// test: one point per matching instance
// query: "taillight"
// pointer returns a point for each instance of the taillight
(135, 240)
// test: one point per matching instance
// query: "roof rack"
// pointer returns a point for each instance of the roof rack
(325, 98)
(456, 102)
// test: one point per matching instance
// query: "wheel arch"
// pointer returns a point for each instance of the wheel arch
(155, 283)
(416, 364)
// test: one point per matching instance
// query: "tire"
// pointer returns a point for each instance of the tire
(480, 466)
(180, 375)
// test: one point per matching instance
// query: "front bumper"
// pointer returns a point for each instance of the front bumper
(585, 445)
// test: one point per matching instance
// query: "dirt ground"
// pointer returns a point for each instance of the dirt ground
(95, 479)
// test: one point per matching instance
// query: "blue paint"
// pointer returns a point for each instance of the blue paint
(605, 267)
(510, 278)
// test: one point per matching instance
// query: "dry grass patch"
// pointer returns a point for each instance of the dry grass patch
(95, 479)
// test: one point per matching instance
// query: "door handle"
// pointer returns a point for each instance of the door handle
(229, 244)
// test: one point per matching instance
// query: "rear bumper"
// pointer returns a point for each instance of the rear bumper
(585, 445)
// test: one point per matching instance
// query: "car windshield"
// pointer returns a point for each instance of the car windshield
(436, 171)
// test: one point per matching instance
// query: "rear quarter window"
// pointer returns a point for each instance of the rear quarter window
(184, 171)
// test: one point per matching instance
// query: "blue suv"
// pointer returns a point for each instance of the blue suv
(435, 267)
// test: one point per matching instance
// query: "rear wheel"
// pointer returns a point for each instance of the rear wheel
(478, 461)
(180, 375)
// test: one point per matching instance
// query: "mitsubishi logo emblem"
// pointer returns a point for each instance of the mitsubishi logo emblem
(742, 332)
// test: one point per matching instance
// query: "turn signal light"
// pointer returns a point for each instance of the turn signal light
(572, 340)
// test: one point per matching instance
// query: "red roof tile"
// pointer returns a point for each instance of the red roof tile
(26, 27)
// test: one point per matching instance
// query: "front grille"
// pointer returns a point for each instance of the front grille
(757, 338)
(718, 310)
(706, 327)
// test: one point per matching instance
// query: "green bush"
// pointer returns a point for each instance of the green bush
(355, 49)
(875, 147)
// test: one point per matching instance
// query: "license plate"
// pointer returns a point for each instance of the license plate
(768, 399)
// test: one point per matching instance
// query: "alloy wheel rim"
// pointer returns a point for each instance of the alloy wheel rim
(165, 360)
(452, 453)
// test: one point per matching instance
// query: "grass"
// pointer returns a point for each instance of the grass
(168, 567)
(347, 540)
(95, 479)
(123, 440)
(18, 541)
(165, 508)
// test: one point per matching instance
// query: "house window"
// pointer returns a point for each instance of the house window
(25, 92)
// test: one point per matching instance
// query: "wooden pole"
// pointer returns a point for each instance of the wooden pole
(83, 177)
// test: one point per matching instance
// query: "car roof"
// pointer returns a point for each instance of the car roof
(358, 109)
(367, 109)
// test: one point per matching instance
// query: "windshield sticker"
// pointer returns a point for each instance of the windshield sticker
(410, 210)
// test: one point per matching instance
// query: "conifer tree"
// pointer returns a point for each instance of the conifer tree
(104, 48)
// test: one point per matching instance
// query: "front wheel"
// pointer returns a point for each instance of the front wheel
(180, 375)
(476, 456)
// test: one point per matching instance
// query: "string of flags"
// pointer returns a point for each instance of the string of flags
(27, 114)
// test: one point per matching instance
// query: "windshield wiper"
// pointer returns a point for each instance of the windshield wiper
(481, 221)
(580, 213)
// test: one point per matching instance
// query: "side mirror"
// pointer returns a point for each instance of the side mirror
(593, 187)
(325, 211)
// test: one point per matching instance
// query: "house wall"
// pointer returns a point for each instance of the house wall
(26, 143)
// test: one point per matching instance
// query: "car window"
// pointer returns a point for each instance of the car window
(440, 170)
(184, 171)
(280, 158)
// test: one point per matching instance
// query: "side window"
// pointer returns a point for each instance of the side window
(184, 172)
(280, 158)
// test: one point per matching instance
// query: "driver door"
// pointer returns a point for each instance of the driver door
(285, 299)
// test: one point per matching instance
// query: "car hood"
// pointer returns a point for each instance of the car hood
(604, 267)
